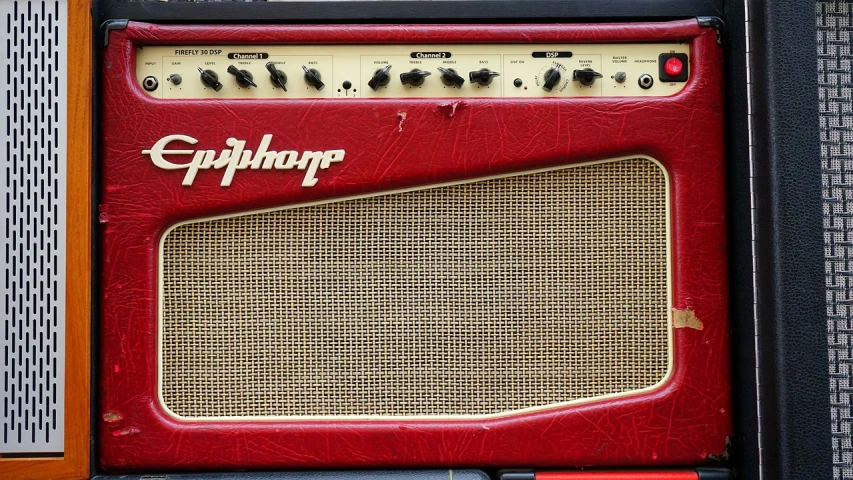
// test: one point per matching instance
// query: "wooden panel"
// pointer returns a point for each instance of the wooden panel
(75, 462)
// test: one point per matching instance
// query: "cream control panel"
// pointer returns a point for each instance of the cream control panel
(397, 71)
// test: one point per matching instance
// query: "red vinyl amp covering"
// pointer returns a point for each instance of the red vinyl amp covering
(683, 422)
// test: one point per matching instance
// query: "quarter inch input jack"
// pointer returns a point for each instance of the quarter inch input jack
(150, 84)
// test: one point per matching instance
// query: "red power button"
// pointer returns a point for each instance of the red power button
(673, 67)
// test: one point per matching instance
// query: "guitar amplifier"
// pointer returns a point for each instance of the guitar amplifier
(352, 246)
(475, 240)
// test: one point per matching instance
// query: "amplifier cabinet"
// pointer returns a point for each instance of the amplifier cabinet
(321, 248)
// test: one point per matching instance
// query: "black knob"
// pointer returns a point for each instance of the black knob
(450, 78)
(551, 78)
(211, 79)
(483, 76)
(175, 79)
(414, 77)
(312, 76)
(244, 78)
(277, 76)
(586, 76)
(380, 78)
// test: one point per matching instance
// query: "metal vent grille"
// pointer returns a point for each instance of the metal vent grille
(471, 299)
(835, 27)
(32, 193)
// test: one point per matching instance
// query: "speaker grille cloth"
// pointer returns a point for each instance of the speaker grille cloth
(469, 299)
(835, 26)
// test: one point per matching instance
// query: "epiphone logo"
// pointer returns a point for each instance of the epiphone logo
(238, 158)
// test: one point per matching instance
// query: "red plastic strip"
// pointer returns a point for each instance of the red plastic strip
(616, 476)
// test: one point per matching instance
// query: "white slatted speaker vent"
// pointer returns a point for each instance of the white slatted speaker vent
(32, 203)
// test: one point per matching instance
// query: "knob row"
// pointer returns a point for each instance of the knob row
(416, 77)
(245, 79)
(552, 76)
(451, 78)
(382, 77)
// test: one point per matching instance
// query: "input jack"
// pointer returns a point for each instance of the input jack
(150, 84)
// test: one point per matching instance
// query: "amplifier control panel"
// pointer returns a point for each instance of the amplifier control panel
(401, 71)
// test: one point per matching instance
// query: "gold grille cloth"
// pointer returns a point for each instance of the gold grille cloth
(469, 299)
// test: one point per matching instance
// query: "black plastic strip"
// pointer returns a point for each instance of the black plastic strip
(744, 445)
(793, 372)
(98, 36)
(454, 11)
(715, 474)
(517, 475)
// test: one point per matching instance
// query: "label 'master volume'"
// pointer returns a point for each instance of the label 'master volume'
(238, 158)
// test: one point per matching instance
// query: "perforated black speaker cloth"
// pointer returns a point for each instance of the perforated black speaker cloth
(835, 26)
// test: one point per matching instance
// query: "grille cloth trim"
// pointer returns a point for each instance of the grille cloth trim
(471, 299)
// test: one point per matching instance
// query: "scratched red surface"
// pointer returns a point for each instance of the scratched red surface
(683, 422)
